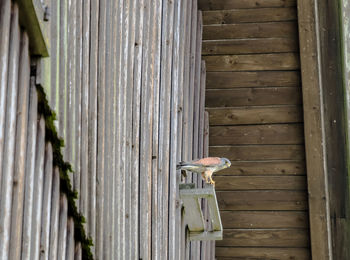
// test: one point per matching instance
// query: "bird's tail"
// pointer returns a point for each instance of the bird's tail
(179, 165)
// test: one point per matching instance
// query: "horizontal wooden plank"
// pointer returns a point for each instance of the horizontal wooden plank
(250, 30)
(264, 219)
(253, 79)
(276, 61)
(226, 253)
(259, 152)
(269, 238)
(253, 97)
(255, 115)
(260, 183)
(246, 46)
(249, 15)
(262, 200)
(264, 168)
(233, 4)
(257, 134)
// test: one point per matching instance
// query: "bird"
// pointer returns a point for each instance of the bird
(206, 166)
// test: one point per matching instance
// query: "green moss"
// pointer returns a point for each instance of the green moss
(65, 168)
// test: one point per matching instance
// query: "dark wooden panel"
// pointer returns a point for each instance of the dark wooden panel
(281, 61)
(250, 30)
(255, 115)
(259, 152)
(260, 182)
(240, 253)
(265, 168)
(253, 79)
(275, 237)
(253, 97)
(245, 46)
(265, 219)
(257, 134)
(262, 200)
(231, 4)
(249, 15)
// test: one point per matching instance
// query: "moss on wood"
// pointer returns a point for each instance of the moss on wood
(51, 136)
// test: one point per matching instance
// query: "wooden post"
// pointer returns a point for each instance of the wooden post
(314, 131)
(54, 214)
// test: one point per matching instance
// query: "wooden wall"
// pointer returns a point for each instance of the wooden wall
(254, 101)
(126, 82)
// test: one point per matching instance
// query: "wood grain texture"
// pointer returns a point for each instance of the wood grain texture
(255, 115)
(20, 149)
(257, 134)
(226, 253)
(262, 200)
(250, 30)
(46, 206)
(249, 15)
(233, 4)
(280, 167)
(265, 238)
(259, 152)
(62, 228)
(248, 46)
(281, 61)
(314, 130)
(264, 219)
(253, 97)
(30, 170)
(253, 79)
(260, 183)
(9, 126)
(5, 21)
(54, 214)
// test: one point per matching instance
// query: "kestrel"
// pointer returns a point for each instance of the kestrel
(206, 166)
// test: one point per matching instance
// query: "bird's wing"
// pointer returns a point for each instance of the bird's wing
(208, 161)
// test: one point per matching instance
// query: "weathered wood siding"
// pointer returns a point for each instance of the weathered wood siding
(127, 84)
(254, 100)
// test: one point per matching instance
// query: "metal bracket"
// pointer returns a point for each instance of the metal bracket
(193, 213)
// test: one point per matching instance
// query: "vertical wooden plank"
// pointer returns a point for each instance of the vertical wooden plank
(101, 106)
(119, 227)
(70, 239)
(204, 244)
(108, 227)
(5, 19)
(46, 207)
(128, 51)
(77, 134)
(114, 87)
(164, 122)
(77, 252)
(20, 150)
(38, 189)
(84, 177)
(156, 15)
(54, 214)
(122, 129)
(54, 54)
(135, 170)
(62, 228)
(9, 136)
(92, 148)
(62, 100)
(314, 140)
(175, 132)
(186, 86)
(30, 170)
(146, 144)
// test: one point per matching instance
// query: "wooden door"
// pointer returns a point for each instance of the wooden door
(254, 100)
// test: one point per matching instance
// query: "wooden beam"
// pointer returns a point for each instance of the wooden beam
(314, 132)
